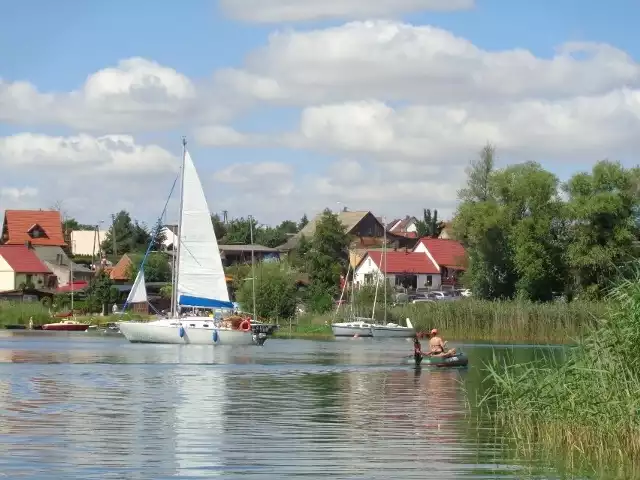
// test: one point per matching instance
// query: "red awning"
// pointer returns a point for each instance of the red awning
(75, 286)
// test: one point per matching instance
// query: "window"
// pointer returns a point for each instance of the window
(429, 281)
(36, 231)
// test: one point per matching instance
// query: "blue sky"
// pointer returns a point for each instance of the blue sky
(57, 45)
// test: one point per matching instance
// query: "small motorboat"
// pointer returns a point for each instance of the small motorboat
(457, 360)
(66, 326)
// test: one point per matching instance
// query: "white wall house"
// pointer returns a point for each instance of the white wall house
(18, 266)
(87, 242)
(411, 270)
(170, 238)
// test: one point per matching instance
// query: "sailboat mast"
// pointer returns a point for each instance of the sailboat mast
(176, 269)
(384, 252)
(253, 271)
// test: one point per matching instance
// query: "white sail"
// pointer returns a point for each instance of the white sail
(200, 275)
(138, 293)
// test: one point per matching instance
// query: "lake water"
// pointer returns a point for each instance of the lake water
(89, 407)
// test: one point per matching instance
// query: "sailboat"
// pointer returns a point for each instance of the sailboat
(367, 327)
(198, 279)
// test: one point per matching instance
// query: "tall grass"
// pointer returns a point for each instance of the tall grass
(587, 408)
(508, 321)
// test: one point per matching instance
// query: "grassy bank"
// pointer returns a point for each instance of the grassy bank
(475, 320)
(19, 314)
(586, 409)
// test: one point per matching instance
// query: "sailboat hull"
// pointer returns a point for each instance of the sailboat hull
(181, 333)
(351, 329)
(393, 331)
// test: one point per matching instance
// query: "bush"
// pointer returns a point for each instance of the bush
(275, 292)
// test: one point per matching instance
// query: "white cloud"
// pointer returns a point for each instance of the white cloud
(136, 95)
(92, 176)
(273, 191)
(266, 11)
(84, 155)
(402, 62)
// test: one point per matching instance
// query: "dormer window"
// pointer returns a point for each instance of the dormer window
(36, 231)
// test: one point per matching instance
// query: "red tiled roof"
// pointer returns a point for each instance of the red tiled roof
(22, 259)
(76, 286)
(19, 222)
(447, 253)
(121, 269)
(403, 262)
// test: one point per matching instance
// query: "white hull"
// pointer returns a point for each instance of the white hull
(393, 331)
(196, 332)
(351, 329)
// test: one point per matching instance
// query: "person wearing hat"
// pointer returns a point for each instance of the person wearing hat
(438, 348)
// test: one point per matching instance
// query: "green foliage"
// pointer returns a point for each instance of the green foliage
(130, 236)
(429, 226)
(328, 256)
(159, 236)
(238, 232)
(157, 267)
(298, 256)
(303, 222)
(165, 292)
(101, 293)
(219, 227)
(523, 240)
(275, 288)
(19, 313)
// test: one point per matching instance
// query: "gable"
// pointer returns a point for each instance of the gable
(40, 227)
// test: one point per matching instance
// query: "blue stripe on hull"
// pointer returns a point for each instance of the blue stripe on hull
(187, 301)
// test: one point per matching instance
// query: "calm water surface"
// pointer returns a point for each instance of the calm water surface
(77, 406)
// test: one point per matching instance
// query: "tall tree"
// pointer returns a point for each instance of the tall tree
(429, 226)
(303, 222)
(328, 255)
(219, 226)
(159, 237)
(603, 207)
(130, 236)
(479, 176)
(157, 267)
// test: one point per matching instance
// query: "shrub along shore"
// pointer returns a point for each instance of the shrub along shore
(475, 320)
(587, 408)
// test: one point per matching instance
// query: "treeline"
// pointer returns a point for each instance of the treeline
(528, 235)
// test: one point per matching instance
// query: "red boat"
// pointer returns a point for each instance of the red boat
(66, 326)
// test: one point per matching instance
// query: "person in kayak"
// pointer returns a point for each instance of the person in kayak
(438, 348)
(417, 350)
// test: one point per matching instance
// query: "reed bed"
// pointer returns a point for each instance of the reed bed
(506, 321)
(585, 409)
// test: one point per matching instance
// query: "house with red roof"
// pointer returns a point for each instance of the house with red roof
(401, 268)
(20, 267)
(448, 255)
(37, 227)
(405, 227)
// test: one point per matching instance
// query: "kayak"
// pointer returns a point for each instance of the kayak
(457, 360)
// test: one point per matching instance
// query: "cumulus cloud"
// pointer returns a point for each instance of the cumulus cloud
(91, 176)
(402, 62)
(137, 94)
(267, 11)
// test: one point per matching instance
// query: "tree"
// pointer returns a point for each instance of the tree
(603, 207)
(303, 222)
(275, 292)
(479, 176)
(159, 237)
(219, 227)
(156, 268)
(429, 226)
(101, 293)
(130, 236)
(239, 232)
(328, 255)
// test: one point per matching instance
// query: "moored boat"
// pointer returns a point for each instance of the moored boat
(66, 326)
(358, 327)
(457, 360)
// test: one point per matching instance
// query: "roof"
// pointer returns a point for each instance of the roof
(447, 253)
(247, 248)
(402, 262)
(400, 226)
(77, 286)
(22, 259)
(56, 256)
(18, 223)
(121, 269)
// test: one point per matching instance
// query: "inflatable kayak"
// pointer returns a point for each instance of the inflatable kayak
(457, 360)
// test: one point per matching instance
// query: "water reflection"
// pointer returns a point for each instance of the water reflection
(108, 409)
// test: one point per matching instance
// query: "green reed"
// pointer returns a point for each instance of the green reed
(586, 408)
